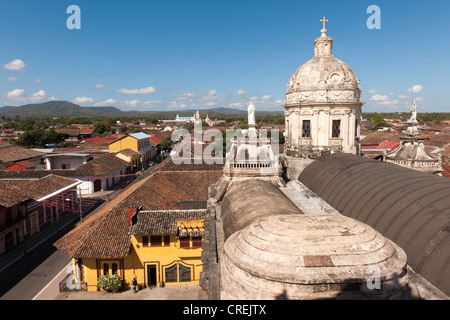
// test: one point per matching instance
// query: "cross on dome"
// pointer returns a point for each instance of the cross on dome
(323, 20)
(323, 31)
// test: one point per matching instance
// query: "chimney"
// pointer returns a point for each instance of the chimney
(131, 215)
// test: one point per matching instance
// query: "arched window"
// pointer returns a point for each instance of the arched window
(184, 273)
(171, 274)
(105, 269)
(114, 268)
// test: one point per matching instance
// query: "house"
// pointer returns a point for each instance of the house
(152, 231)
(138, 142)
(131, 156)
(22, 166)
(65, 160)
(98, 174)
(376, 143)
(10, 154)
(87, 133)
(28, 206)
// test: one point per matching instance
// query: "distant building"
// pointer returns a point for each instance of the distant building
(411, 153)
(138, 142)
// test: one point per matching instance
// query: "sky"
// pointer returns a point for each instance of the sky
(176, 55)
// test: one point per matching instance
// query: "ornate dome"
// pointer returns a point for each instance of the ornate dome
(324, 78)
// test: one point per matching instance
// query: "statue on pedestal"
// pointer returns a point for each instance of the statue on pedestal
(251, 114)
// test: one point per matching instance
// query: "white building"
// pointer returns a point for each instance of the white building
(322, 108)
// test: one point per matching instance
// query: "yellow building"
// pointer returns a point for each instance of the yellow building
(152, 231)
(158, 248)
(138, 142)
(131, 156)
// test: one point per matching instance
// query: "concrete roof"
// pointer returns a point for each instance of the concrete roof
(139, 135)
(312, 257)
(409, 207)
(249, 200)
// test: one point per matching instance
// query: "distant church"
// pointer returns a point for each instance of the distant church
(324, 223)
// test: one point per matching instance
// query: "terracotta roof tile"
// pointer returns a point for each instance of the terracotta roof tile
(106, 235)
(163, 222)
(9, 153)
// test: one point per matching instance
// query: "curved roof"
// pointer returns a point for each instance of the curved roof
(249, 200)
(409, 207)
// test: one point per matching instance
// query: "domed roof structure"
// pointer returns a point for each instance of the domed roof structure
(323, 78)
(312, 257)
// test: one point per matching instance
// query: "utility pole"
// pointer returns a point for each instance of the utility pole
(81, 205)
(142, 165)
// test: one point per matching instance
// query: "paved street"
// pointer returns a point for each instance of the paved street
(37, 274)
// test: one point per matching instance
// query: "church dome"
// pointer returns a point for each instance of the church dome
(324, 78)
(313, 256)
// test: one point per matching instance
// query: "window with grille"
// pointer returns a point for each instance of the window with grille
(184, 273)
(105, 269)
(184, 242)
(171, 274)
(196, 242)
(306, 130)
(155, 241)
(144, 241)
(166, 241)
(114, 268)
(336, 129)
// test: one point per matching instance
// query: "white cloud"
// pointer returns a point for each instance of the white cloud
(241, 92)
(107, 102)
(12, 79)
(83, 100)
(418, 99)
(212, 93)
(389, 102)
(148, 90)
(15, 65)
(372, 91)
(100, 86)
(21, 96)
(36, 80)
(415, 89)
(267, 97)
(402, 96)
(210, 104)
(379, 97)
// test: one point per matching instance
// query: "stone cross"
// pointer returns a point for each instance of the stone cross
(323, 20)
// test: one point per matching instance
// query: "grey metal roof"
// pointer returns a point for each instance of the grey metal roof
(409, 207)
(139, 135)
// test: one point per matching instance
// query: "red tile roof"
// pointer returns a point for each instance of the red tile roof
(97, 139)
(26, 164)
(106, 234)
(155, 139)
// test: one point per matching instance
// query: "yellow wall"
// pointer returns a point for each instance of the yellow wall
(134, 161)
(124, 143)
(140, 257)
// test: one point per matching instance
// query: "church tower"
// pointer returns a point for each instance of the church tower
(322, 106)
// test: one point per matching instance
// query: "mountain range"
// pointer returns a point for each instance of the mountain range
(68, 109)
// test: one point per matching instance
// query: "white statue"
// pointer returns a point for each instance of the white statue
(251, 114)
(413, 111)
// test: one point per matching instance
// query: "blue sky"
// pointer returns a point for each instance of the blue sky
(175, 55)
